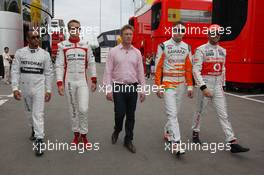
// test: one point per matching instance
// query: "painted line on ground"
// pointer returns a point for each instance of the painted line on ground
(11, 95)
(2, 102)
(244, 97)
(256, 95)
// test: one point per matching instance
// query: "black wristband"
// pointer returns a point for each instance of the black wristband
(203, 87)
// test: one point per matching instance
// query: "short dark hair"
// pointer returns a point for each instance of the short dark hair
(71, 21)
(6, 48)
(177, 23)
(125, 27)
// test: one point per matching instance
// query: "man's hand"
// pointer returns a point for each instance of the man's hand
(160, 94)
(47, 96)
(17, 95)
(142, 97)
(207, 93)
(93, 87)
(61, 90)
(109, 96)
(190, 94)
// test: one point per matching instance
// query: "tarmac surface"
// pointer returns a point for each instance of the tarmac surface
(17, 157)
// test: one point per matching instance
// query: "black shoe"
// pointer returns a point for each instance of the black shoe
(39, 147)
(236, 148)
(32, 137)
(130, 147)
(114, 137)
(195, 138)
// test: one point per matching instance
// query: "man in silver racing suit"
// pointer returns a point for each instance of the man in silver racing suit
(32, 75)
(209, 74)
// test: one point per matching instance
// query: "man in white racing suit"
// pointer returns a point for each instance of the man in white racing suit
(209, 74)
(32, 75)
(73, 60)
(174, 74)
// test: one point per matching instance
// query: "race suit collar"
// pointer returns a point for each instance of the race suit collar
(74, 40)
(176, 42)
(214, 46)
(33, 50)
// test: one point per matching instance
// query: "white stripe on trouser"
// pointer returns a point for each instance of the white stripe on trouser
(219, 103)
(172, 100)
(78, 98)
(34, 104)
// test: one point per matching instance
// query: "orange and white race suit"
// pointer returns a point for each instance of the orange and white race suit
(173, 72)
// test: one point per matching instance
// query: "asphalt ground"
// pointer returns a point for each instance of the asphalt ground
(17, 157)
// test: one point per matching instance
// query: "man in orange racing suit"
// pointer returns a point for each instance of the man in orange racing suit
(173, 72)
